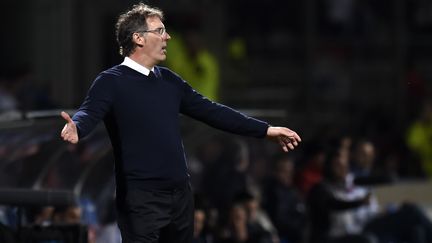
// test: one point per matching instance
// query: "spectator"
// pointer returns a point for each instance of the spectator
(404, 224)
(205, 220)
(363, 159)
(67, 215)
(199, 224)
(311, 173)
(40, 215)
(364, 168)
(195, 63)
(419, 138)
(283, 202)
(238, 230)
(256, 215)
(228, 175)
(338, 209)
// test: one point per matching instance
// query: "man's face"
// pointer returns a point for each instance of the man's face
(285, 172)
(340, 166)
(154, 44)
(199, 221)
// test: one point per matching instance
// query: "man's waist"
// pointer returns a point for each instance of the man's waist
(158, 184)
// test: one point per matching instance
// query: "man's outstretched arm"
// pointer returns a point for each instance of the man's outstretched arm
(69, 132)
(287, 138)
(225, 118)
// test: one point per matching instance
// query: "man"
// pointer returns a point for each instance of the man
(139, 103)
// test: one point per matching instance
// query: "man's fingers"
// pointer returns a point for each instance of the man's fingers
(281, 142)
(66, 117)
(66, 137)
(297, 137)
(286, 143)
(289, 144)
(70, 139)
(74, 141)
(293, 135)
(293, 140)
(63, 132)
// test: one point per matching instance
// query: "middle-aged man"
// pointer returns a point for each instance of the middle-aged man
(140, 103)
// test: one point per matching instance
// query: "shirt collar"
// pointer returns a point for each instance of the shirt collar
(136, 66)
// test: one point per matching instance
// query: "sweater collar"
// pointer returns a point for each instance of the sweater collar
(136, 66)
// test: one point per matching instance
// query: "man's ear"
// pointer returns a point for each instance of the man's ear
(138, 39)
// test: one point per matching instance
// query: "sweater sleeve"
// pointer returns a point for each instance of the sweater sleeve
(219, 116)
(95, 106)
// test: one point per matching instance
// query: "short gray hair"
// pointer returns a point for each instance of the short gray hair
(132, 21)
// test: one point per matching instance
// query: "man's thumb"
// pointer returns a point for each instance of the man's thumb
(66, 117)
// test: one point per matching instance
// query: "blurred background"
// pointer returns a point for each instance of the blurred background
(348, 74)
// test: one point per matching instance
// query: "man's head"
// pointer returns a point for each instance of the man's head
(364, 155)
(283, 170)
(336, 167)
(199, 222)
(141, 29)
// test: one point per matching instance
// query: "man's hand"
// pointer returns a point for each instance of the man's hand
(287, 138)
(69, 132)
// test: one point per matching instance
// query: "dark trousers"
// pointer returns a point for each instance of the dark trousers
(156, 216)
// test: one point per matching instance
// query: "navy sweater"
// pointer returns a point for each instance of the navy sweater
(141, 116)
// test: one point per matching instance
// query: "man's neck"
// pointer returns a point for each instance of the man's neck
(142, 60)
